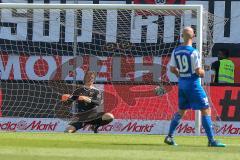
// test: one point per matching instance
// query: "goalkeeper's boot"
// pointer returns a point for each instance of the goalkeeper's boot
(216, 144)
(170, 141)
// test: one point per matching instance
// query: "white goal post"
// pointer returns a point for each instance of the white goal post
(145, 9)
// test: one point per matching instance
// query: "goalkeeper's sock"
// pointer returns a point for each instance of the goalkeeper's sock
(105, 122)
(174, 123)
(99, 122)
(207, 125)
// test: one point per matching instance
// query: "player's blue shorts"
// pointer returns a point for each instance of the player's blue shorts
(192, 98)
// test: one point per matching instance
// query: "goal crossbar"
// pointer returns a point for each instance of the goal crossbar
(99, 6)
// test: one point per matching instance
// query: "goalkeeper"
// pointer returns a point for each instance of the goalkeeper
(88, 100)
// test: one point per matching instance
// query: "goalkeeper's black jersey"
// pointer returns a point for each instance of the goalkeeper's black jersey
(93, 93)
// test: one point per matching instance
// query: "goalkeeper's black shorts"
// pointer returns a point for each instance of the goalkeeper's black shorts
(79, 122)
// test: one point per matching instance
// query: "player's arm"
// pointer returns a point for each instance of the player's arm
(174, 70)
(200, 72)
(95, 100)
(66, 99)
(198, 64)
(173, 65)
(69, 98)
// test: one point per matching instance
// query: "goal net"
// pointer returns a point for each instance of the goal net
(45, 50)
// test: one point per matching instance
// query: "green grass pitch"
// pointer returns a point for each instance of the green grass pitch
(60, 146)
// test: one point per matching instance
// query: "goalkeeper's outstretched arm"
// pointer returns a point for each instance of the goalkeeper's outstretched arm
(71, 97)
(95, 100)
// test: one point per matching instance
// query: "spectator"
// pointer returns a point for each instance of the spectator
(223, 68)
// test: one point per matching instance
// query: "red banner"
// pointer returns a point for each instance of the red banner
(226, 101)
(140, 102)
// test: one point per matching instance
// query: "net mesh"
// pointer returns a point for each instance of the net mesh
(45, 52)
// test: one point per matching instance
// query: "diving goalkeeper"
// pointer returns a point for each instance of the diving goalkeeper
(88, 99)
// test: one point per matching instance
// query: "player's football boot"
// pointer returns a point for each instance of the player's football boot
(170, 141)
(216, 144)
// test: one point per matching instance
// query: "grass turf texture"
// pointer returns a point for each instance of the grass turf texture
(59, 146)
